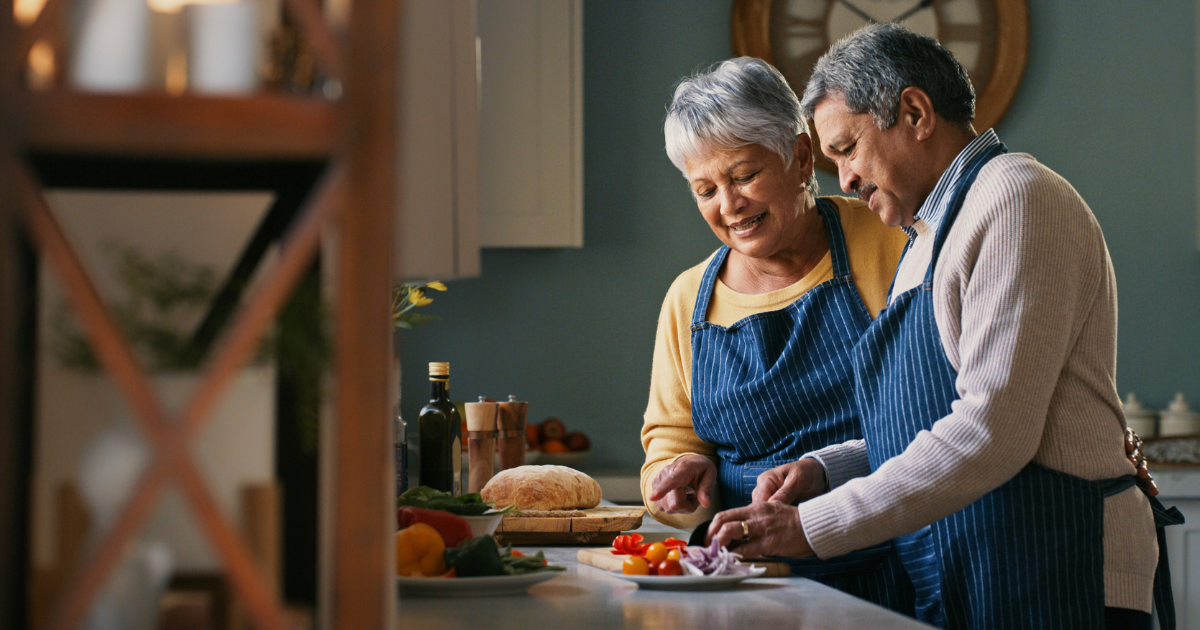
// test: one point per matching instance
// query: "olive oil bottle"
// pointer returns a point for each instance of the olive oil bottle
(440, 434)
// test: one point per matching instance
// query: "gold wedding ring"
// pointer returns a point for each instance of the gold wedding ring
(745, 530)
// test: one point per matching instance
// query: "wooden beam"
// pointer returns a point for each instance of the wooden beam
(364, 595)
(263, 126)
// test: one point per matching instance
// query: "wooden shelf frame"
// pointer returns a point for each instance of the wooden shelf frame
(352, 201)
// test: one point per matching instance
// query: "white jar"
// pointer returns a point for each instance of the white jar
(1179, 419)
(1143, 421)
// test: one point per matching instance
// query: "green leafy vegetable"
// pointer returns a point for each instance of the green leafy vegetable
(517, 565)
(464, 505)
(477, 557)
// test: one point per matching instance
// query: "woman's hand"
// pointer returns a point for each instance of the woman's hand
(774, 529)
(684, 485)
(790, 483)
(1133, 450)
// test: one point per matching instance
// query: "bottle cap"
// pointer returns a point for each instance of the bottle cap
(439, 369)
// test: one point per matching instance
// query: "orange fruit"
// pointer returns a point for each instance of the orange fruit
(554, 446)
(673, 555)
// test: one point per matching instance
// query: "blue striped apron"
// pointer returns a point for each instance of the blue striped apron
(776, 385)
(1029, 554)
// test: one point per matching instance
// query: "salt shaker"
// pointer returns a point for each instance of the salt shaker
(511, 423)
(1137, 417)
(1179, 419)
(481, 443)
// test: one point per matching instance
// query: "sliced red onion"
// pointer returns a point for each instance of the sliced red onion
(713, 561)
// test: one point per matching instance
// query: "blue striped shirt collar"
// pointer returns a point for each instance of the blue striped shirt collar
(934, 208)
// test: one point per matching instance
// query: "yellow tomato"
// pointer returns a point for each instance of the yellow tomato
(419, 551)
(673, 555)
(635, 565)
(656, 553)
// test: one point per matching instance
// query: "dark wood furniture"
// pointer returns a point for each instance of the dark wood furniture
(333, 164)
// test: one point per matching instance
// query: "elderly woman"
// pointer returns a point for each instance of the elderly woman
(752, 363)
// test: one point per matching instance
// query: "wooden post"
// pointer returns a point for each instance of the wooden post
(364, 596)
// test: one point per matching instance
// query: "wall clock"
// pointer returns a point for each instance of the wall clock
(989, 37)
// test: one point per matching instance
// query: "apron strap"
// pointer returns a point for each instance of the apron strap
(1164, 598)
(838, 252)
(955, 203)
(1117, 485)
(700, 310)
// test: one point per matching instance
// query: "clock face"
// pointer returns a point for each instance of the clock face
(989, 38)
(802, 30)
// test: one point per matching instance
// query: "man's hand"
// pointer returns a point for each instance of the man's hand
(774, 528)
(684, 485)
(1133, 450)
(791, 483)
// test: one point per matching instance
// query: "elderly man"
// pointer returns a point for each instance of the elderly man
(993, 454)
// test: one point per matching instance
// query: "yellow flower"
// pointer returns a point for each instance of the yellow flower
(415, 296)
(436, 286)
(422, 301)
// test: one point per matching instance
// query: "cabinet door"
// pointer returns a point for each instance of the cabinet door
(531, 146)
(438, 166)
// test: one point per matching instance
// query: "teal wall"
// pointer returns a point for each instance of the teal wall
(1108, 101)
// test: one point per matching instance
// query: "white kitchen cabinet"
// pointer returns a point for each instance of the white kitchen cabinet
(532, 123)
(491, 134)
(438, 166)
(1182, 490)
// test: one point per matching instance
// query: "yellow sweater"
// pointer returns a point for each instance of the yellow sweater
(667, 431)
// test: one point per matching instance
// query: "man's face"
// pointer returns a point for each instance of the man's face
(882, 167)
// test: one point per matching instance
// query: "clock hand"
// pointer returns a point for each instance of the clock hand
(857, 11)
(904, 16)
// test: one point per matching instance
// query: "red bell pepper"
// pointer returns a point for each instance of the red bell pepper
(453, 528)
(632, 545)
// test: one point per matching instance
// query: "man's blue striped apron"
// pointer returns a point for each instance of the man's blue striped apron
(776, 385)
(1029, 554)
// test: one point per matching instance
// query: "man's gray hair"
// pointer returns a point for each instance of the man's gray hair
(873, 65)
(736, 103)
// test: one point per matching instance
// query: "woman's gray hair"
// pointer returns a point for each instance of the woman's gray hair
(873, 65)
(736, 103)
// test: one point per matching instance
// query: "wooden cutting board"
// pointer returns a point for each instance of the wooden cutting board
(598, 526)
(605, 559)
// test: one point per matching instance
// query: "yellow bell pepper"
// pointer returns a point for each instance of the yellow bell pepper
(419, 551)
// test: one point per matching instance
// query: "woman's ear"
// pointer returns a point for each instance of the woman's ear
(802, 153)
(916, 111)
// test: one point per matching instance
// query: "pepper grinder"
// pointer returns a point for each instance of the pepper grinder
(1143, 421)
(481, 443)
(1179, 419)
(511, 423)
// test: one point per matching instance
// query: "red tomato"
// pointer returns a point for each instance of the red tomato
(669, 567)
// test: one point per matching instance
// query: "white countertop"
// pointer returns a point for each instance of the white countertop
(586, 597)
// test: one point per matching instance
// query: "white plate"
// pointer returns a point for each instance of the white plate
(471, 586)
(690, 582)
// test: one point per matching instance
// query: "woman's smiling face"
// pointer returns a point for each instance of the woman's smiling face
(749, 199)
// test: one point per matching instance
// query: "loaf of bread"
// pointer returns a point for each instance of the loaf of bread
(542, 488)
